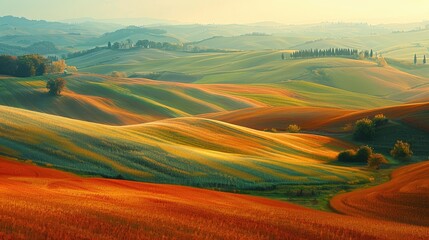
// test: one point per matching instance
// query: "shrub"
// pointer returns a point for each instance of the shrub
(380, 120)
(376, 160)
(364, 129)
(401, 151)
(293, 128)
(71, 69)
(118, 74)
(56, 86)
(363, 154)
(347, 156)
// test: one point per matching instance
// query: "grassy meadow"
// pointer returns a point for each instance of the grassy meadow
(190, 151)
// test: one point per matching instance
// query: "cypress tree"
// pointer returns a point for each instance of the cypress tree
(371, 54)
(424, 59)
(415, 58)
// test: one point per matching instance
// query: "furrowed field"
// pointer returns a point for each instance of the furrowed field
(47, 204)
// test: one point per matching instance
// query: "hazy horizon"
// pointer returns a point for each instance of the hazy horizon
(225, 12)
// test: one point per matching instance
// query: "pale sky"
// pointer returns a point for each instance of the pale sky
(225, 11)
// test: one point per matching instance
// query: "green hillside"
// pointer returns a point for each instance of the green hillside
(251, 42)
(190, 151)
(266, 67)
(102, 99)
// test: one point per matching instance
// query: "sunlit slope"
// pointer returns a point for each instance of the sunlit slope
(108, 100)
(308, 118)
(78, 208)
(404, 199)
(130, 56)
(190, 151)
(358, 76)
(102, 99)
(313, 118)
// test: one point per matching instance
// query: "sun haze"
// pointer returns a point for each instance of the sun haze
(225, 11)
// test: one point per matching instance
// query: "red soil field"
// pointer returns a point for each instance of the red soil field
(313, 118)
(40, 203)
(404, 199)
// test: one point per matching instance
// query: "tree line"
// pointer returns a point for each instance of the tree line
(30, 65)
(330, 52)
(23, 66)
(129, 44)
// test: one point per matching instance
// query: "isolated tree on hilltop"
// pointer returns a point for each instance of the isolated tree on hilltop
(424, 59)
(415, 58)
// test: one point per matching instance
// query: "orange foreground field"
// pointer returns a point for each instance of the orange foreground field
(404, 199)
(43, 203)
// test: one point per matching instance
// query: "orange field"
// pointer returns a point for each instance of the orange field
(404, 199)
(311, 118)
(43, 203)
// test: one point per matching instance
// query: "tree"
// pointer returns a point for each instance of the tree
(25, 68)
(58, 66)
(415, 58)
(424, 59)
(115, 45)
(371, 54)
(8, 65)
(380, 120)
(109, 45)
(364, 129)
(56, 86)
(401, 151)
(376, 160)
(363, 154)
(283, 56)
(347, 156)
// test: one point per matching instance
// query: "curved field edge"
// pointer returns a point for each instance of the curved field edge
(404, 199)
(188, 151)
(319, 118)
(115, 101)
(46, 203)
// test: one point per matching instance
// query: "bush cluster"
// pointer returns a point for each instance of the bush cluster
(365, 129)
(363, 154)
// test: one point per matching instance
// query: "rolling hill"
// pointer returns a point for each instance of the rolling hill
(73, 207)
(134, 33)
(266, 67)
(20, 31)
(408, 122)
(189, 151)
(251, 42)
(103, 99)
(115, 101)
(403, 199)
(324, 119)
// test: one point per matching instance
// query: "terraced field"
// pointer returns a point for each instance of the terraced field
(72, 207)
